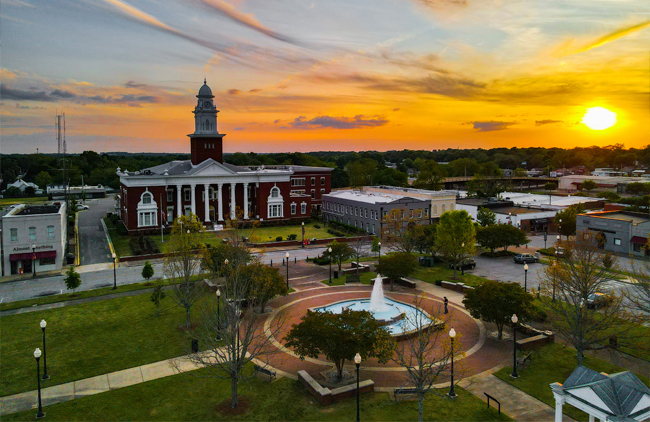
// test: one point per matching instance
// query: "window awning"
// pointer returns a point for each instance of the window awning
(30, 255)
(638, 239)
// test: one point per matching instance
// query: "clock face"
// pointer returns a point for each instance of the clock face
(206, 104)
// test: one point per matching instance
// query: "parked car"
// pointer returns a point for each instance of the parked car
(598, 299)
(82, 207)
(525, 258)
(467, 264)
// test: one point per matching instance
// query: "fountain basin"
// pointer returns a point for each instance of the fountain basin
(397, 317)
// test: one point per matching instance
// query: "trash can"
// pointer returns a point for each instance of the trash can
(70, 258)
(336, 274)
(195, 346)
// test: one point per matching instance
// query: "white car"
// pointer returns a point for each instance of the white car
(81, 207)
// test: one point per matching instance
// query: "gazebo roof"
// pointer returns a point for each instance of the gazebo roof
(621, 395)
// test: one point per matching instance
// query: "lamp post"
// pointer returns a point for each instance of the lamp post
(462, 258)
(514, 346)
(559, 229)
(114, 273)
(218, 293)
(525, 277)
(379, 252)
(34, 261)
(554, 275)
(43, 324)
(303, 234)
(37, 355)
(357, 361)
(452, 393)
(329, 250)
(287, 256)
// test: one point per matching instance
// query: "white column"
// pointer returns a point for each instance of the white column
(179, 205)
(232, 201)
(592, 418)
(206, 187)
(220, 204)
(193, 197)
(559, 401)
(245, 201)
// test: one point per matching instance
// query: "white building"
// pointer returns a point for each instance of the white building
(34, 236)
(603, 182)
(22, 185)
(441, 200)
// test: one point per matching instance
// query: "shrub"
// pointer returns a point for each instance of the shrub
(317, 226)
(498, 254)
(121, 229)
(547, 251)
(321, 261)
(136, 249)
(292, 237)
(278, 239)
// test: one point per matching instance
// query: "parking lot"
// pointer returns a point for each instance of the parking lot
(505, 269)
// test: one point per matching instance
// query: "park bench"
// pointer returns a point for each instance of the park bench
(271, 374)
(405, 391)
(521, 363)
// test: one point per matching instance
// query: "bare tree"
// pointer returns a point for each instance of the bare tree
(183, 261)
(639, 293)
(397, 228)
(426, 355)
(577, 279)
(359, 247)
(234, 335)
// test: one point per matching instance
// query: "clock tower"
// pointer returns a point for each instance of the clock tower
(206, 142)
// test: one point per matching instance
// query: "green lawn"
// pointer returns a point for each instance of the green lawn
(188, 397)
(441, 272)
(90, 339)
(10, 201)
(269, 234)
(553, 363)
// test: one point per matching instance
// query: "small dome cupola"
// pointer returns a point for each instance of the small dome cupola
(205, 112)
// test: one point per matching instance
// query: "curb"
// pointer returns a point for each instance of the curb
(110, 242)
(76, 238)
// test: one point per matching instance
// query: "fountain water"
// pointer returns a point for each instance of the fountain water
(377, 300)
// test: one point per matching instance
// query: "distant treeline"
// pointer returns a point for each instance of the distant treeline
(350, 168)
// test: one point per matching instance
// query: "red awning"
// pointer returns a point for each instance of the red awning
(638, 239)
(30, 255)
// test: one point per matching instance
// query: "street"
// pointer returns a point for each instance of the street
(93, 246)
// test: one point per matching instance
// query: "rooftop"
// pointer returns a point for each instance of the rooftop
(409, 191)
(635, 218)
(367, 197)
(35, 209)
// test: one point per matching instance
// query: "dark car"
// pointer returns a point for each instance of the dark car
(467, 264)
(525, 258)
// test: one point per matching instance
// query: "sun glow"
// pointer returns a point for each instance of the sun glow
(599, 118)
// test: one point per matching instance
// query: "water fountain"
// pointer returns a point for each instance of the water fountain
(400, 319)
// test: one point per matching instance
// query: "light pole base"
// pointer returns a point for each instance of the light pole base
(452, 395)
(514, 375)
(40, 415)
(45, 377)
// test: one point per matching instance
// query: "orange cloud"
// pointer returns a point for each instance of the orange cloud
(571, 47)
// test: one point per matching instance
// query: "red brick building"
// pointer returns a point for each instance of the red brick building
(273, 193)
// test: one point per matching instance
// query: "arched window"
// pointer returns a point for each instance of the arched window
(435, 209)
(443, 207)
(275, 192)
(207, 124)
(146, 198)
(147, 210)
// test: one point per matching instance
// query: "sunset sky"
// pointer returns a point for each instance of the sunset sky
(302, 75)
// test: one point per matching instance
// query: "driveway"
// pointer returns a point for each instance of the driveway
(93, 246)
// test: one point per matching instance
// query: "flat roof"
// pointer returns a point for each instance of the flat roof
(516, 210)
(35, 210)
(407, 190)
(635, 218)
(369, 197)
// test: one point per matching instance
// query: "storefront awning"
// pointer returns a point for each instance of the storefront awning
(30, 255)
(638, 239)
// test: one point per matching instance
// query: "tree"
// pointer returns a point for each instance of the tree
(576, 277)
(639, 294)
(423, 237)
(376, 246)
(157, 296)
(185, 252)
(455, 236)
(397, 229)
(339, 337)
(486, 217)
(566, 219)
(147, 271)
(30, 191)
(496, 302)
(519, 172)
(72, 279)
(396, 266)
(265, 283)
(425, 356)
(340, 252)
(588, 185)
(430, 176)
(235, 252)
(43, 179)
(500, 236)
(232, 336)
(360, 172)
(550, 186)
(12, 192)
(359, 248)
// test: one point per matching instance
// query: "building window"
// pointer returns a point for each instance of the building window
(303, 208)
(637, 247)
(275, 192)
(47, 261)
(435, 209)
(170, 196)
(426, 212)
(298, 182)
(617, 242)
(443, 207)
(147, 219)
(170, 214)
(322, 181)
(32, 233)
(50, 232)
(187, 194)
(293, 208)
(146, 198)
(322, 192)
(313, 181)
(366, 213)
(313, 194)
(14, 235)
(275, 211)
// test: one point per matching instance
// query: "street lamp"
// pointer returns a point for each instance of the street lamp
(114, 273)
(554, 275)
(526, 277)
(218, 292)
(462, 256)
(379, 251)
(287, 256)
(34, 261)
(329, 250)
(303, 234)
(357, 361)
(514, 344)
(45, 376)
(452, 393)
(37, 355)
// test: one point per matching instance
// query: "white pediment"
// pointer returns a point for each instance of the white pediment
(644, 403)
(588, 395)
(211, 169)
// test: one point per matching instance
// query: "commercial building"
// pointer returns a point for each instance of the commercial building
(58, 191)
(216, 191)
(34, 236)
(620, 232)
(366, 210)
(616, 184)
(528, 218)
(441, 200)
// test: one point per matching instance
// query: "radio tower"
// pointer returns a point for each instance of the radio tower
(59, 121)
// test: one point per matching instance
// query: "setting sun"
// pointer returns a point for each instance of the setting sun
(599, 118)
